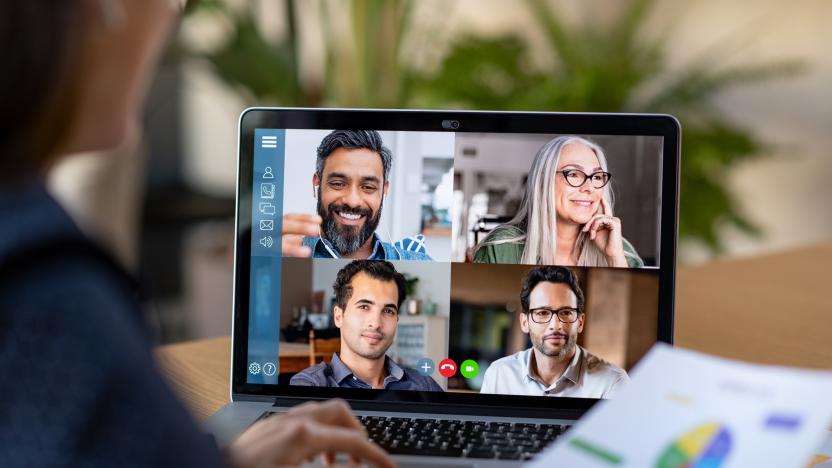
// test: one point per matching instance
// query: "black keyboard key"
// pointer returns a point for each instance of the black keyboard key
(481, 452)
(515, 455)
(431, 452)
(526, 426)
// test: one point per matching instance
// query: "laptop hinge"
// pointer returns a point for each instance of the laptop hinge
(455, 409)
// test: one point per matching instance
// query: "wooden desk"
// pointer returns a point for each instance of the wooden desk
(200, 370)
(775, 309)
(200, 373)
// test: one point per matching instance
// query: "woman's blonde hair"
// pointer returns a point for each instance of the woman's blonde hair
(537, 218)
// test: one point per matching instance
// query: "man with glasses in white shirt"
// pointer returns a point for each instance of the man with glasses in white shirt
(553, 316)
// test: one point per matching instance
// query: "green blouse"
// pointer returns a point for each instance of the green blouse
(511, 252)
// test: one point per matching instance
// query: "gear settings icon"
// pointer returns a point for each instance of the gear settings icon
(254, 368)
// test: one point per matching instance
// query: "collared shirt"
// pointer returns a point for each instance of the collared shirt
(512, 251)
(337, 374)
(322, 248)
(587, 376)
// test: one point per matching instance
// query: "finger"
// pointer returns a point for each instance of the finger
(615, 229)
(290, 250)
(605, 206)
(592, 226)
(298, 227)
(599, 224)
(292, 239)
(303, 217)
(588, 224)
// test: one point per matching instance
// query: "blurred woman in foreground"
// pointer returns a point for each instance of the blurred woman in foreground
(80, 387)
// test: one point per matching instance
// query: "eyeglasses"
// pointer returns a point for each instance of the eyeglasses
(564, 314)
(577, 178)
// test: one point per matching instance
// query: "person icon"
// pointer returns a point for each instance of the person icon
(267, 173)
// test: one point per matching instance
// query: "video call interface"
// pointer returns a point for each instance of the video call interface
(514, 264)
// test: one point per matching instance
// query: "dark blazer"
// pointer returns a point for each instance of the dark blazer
(79, 385)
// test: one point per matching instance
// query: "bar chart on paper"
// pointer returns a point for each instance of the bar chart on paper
(684, 409)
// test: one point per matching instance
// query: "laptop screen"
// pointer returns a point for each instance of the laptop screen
(522, 264)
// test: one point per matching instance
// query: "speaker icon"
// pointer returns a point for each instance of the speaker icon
(267, 242)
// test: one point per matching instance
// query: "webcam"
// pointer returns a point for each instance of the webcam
(450, 124)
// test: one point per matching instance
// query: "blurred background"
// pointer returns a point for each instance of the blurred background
(748, 81)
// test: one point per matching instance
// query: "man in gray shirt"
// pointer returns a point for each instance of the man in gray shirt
(368, 295)
(555, 365)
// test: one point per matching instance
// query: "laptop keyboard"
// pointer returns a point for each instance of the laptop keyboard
(455, 438)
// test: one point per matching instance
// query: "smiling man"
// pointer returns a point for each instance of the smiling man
(350, 183)
(368, 296)
(555, 365)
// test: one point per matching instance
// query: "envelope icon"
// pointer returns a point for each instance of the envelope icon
(266, 224)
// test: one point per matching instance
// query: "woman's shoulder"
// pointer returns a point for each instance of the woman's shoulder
(76, 286)
(503, 232)
(632, 256)
(74, 317)
(498, 247)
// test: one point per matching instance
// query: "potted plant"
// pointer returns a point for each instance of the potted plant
(413, 306)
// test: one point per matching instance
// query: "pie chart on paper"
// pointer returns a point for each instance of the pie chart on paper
(706, 446)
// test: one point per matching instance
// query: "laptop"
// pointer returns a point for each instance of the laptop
(475, 283)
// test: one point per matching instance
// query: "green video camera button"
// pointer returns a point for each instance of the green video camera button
(469, 369)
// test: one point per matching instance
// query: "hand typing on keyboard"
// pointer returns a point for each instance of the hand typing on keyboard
(301, 434)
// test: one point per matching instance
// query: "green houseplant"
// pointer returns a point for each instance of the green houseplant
(615, 69)
(609, 69)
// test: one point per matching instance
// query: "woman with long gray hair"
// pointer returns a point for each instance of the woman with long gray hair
(566, 216)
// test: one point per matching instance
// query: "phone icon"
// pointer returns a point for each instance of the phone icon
(447, 367)
(267, 190)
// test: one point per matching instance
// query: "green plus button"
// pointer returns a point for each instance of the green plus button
(469, 369)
